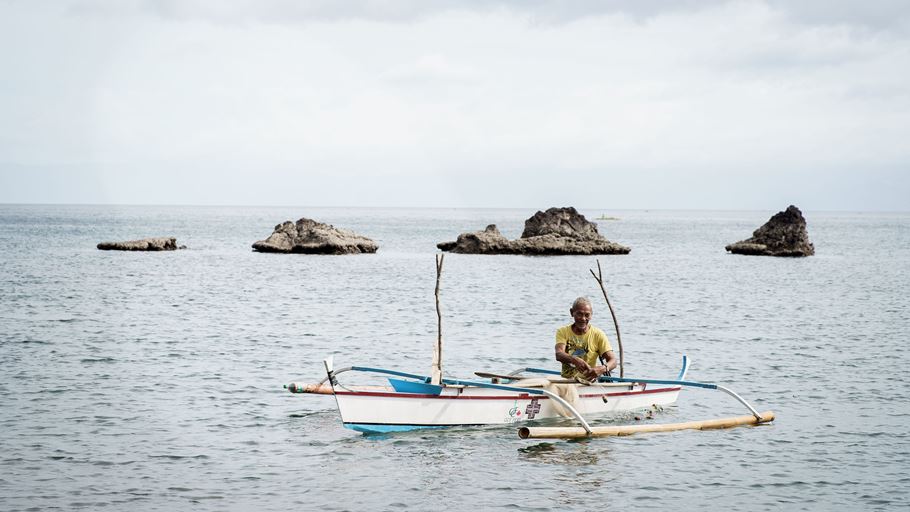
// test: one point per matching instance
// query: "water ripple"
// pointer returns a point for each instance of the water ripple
(154, 381)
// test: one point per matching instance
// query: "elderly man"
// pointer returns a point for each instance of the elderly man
(578, 345)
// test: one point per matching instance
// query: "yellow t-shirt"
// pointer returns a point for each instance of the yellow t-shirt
(588, 346)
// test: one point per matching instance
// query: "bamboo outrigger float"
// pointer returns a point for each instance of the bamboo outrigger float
(412, 401)
(628, 430)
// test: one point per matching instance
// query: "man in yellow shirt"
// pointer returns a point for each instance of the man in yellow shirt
(578, 345)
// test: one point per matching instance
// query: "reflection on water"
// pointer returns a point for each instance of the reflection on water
(574, 453)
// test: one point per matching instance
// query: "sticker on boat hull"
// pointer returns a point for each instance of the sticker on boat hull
(532, 409)
(514, 413)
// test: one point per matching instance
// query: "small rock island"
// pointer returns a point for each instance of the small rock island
(557, 231)
(163, 243)
(783, 235)
(308, 236)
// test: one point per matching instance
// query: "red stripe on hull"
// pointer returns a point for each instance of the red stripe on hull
(522, 396)
(642, 392)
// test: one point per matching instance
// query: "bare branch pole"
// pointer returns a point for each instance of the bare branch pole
(600, 280)
(436, 374)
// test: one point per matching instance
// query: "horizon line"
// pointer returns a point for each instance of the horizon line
(374, 207)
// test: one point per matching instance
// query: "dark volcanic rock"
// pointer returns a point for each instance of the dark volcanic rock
(562, 222)
(783, 235)
(556, 231)
(146, 244)
(311, 237)
(553, 245)
(488, 241)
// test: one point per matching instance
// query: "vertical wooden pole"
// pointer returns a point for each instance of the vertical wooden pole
(600, 280)
(436, 372)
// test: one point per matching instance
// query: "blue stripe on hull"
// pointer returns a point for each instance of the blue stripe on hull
(370, 428)
(408, 386)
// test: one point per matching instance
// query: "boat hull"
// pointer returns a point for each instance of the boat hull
(374, 411)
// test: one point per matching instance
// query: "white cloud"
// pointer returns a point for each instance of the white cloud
(876, 15)
(351, 95)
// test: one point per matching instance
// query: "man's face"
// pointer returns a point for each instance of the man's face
(582, 315)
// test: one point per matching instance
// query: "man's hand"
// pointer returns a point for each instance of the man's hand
(592, 372)
(583, 368)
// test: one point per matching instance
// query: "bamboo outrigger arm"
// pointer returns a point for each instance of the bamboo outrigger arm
(561, 401)
(687, 383)
(742, 401)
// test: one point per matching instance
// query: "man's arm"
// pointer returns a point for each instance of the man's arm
(611, 360)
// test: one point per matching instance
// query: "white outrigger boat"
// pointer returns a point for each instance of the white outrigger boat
(410, 401)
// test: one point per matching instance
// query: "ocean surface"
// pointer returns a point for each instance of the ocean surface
(153, 381)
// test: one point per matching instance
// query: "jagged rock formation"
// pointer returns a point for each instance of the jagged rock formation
(311, 237)
(146, 244)
(557, 231)
(783, 235)
(488, 241)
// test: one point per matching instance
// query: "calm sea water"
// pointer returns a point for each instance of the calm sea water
(153, 381)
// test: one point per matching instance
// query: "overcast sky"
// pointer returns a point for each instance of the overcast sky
(527, 104)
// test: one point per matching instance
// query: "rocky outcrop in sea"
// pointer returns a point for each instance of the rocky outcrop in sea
(308, 236)
(163, 243)
(783, 235)
(557, 231)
